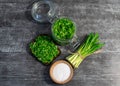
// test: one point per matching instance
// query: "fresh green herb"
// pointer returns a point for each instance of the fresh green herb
(63, 28)
(44, 49)
(90, 45)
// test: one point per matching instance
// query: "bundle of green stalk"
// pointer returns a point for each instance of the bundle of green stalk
(88, 47)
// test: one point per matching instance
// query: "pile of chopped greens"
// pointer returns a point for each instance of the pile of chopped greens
(44, 49)
(63, 28)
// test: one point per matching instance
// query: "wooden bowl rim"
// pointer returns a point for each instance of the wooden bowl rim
(51, 74)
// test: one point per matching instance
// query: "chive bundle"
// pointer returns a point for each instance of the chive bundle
(89, 46)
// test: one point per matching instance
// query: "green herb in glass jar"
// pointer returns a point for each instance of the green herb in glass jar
(63, 30)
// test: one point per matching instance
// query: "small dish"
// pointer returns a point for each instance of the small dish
(69, 76)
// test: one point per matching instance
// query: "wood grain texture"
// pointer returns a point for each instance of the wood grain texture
(17, 29)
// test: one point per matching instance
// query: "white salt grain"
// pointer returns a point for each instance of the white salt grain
(61, 72)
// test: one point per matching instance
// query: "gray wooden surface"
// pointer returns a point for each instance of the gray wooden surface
(17, 29)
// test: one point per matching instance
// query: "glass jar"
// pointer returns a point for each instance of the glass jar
(43, 10)
(46, 11)
(63, 30)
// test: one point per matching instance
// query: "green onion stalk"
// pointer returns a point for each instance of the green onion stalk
(88, 47)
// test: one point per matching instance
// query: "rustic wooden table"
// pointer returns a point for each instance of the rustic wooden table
(17, 29)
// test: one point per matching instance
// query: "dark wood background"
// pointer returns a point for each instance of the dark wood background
(17, 29)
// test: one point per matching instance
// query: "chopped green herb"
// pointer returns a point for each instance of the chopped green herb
(63, 29)
(44, 49)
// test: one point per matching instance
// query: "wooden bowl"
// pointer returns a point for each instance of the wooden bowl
(52, 76)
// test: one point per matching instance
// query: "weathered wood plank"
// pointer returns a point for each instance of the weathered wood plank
(21, 65)
(64, 1)
(21, 70)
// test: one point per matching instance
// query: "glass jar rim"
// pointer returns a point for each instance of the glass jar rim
(51, 12)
